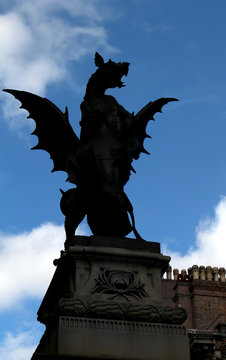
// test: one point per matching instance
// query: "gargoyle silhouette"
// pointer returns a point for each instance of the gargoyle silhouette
(99, 163)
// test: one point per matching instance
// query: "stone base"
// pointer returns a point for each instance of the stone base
(104, 302)
(111, 339)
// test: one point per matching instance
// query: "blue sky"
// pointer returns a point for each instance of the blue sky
(176, 49)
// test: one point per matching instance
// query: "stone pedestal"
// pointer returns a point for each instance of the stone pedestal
(104, 302)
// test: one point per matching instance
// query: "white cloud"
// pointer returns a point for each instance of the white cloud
(26, 263)
(210, 245)
(20, 346)
(40, 40)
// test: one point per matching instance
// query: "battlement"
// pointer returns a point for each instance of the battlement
(196, 272)
(201, 290)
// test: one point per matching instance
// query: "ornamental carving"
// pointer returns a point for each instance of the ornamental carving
(119, 283)
(122, 311)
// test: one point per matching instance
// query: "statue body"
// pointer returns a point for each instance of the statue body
(99, 163)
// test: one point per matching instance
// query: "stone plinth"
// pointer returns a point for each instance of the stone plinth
(104, 302)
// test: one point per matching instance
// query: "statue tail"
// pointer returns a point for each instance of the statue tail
(137, 235)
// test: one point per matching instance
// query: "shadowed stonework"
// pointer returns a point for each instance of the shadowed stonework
(105, 302)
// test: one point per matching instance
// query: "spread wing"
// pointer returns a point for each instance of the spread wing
(144, 115)
(54, 132)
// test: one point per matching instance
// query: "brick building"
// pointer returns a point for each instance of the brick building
(202, 292)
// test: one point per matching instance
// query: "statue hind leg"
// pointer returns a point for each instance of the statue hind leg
(73, 206)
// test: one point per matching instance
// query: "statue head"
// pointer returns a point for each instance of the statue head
(108, 75)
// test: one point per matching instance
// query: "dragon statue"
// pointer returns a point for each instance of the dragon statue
(99, 163)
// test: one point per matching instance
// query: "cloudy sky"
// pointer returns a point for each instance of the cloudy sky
(176, 49)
